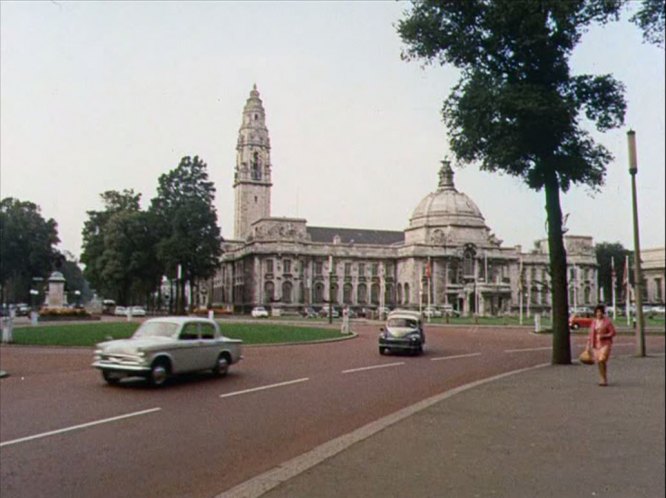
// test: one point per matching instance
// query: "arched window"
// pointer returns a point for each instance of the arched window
(269, 292)
(286, 292)
(334, 293)
(588, 295)
(347, 290)
(389, 295)
(318, 293)
(362, 292)
(399, 294)
(374, 293)
(256, 167)
(468, 263)
(301, 293)
(406, 295)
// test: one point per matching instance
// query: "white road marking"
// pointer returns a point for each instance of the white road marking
(455, 357)
(263, 483)
(527, 349)
(384, 365)
(80, 426)
(270, 386)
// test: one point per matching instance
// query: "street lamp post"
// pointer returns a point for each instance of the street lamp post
(330, 289)
(633, 169)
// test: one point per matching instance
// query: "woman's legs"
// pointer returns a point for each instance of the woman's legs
(603, 373)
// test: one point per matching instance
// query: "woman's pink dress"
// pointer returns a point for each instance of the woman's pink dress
(601, 338)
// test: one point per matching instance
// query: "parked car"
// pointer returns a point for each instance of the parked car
(449, 310)
(120, 311)
(324, 312)
(138, 311)
(432, 312)
(403, 332)
(162, 347)
(308, 312)
(22, 309)
(581, 319)
(259, 312)
(108, 306)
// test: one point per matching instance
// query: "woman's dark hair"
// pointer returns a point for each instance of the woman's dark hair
(600, 307)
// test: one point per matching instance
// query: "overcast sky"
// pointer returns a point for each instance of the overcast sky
(102, 96)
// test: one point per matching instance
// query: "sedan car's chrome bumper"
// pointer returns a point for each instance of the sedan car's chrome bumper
(120, 367)
(399, 343)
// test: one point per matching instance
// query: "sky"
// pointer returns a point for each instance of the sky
(98, 96)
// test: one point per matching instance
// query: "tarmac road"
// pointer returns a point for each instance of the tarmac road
(63, 432)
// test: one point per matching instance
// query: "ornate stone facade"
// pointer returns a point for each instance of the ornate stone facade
(653, 268)
(446, 256)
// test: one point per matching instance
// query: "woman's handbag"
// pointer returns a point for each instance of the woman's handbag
(586, 357)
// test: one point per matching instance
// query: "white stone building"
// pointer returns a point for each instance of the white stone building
(446, 255)
(653, 268)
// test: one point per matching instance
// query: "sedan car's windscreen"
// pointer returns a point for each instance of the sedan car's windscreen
(402, 323)
(156, 329)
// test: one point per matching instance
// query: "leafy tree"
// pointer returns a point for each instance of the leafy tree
(607, 251)
(96, 254)
(651, 19)
(74, 280)
(517, 109)
(187, 218)
(27, 250)
(129, 261)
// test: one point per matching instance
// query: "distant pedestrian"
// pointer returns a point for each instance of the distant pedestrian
(600, 340)
(345, 329)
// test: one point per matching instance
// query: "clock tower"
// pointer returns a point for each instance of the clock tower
(252, 176)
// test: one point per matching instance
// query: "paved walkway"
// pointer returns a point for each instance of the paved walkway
(544, 432)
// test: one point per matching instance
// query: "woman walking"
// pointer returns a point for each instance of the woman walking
(600, 341)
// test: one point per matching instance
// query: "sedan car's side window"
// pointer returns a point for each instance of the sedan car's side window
(189, 332)
(207, 331)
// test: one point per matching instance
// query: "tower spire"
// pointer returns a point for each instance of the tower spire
(252, 175)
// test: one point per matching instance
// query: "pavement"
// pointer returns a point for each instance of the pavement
(547, 431)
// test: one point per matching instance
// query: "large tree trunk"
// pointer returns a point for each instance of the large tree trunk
(558, 269)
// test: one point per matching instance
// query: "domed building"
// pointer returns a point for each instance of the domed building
(446, 257)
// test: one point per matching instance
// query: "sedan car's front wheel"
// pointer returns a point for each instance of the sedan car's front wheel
(111, 378)
(159, 372)
(221, 367)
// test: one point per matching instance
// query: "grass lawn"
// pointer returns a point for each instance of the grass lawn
(89, 334)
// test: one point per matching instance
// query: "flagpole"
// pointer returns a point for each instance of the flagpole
(575, 287)
(613, 284)
(627, 290)
(520, 292)
(429, 276)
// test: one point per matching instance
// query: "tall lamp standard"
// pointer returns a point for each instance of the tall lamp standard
(330, 289)
(633, 169)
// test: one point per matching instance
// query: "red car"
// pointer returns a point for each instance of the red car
(578, 320)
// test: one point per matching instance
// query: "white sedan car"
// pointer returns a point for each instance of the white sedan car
(137, 311)
(162, 347)
(259, 312)
(120, 311)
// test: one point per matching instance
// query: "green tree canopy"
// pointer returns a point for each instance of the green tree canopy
(190, 235)
(27, 247)
(517, 109)
(651, 18)
(119, 247)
